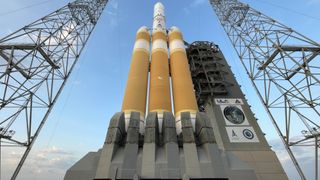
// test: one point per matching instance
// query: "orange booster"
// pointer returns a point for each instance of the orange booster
(136, 91)
(182, 86)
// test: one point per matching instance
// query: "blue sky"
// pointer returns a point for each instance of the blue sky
(79, 121)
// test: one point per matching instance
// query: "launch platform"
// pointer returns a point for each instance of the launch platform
(212, 133)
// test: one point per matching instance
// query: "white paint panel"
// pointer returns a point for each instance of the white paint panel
(127, 117)
(242, 134)
(160, 121)
(177, 44)
(142, 44)
(179, 125)
(159, 44)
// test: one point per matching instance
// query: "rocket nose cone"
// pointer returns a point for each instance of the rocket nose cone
(143, 29)
(174, 29)
(158, 5)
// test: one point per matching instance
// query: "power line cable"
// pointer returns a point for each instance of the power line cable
(69, 94)
(24, 8)
(288, 9)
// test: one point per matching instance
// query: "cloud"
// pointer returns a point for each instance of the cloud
(196, 3)
(115, 5)
(48, 163)
(304, 155)
(113, 14)
(313, 2)
(77, 82)
(193, 4)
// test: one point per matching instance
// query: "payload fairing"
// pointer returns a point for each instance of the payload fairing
(224, 142)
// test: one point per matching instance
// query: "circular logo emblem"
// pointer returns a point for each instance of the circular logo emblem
(248, 134)
(233, 114)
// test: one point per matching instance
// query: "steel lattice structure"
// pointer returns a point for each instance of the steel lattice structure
(35, 63)
(284, 68)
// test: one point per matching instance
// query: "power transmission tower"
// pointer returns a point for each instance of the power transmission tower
(35, 63)
(283, 66)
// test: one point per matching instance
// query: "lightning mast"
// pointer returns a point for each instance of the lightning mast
(35, 63)
(283, 66)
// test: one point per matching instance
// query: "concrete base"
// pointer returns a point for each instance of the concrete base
(192, 155)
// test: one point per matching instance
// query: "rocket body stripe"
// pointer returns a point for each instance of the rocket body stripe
(137, 83)
(142, 44)
(159, 44)
(177, 45)
(182, 86)
(143, 34)
(159, 34)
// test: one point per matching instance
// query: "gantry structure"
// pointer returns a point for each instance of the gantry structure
(283, 66)
(35, 64)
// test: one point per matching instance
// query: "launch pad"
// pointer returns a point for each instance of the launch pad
(194, 155)
(183, 114)
(215, 149)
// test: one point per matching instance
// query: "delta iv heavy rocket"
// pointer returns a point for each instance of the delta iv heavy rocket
(223, 142)
(159, 93)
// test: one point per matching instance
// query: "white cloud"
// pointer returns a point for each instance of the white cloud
(313, 2)
(197, 3)
(77, 82)
(304, 155)
(48, 163)
(115, 5)
(194, 4)
(113, 14)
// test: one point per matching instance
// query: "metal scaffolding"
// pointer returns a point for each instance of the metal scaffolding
(35, 63)
(208, 74)
(283, 66)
